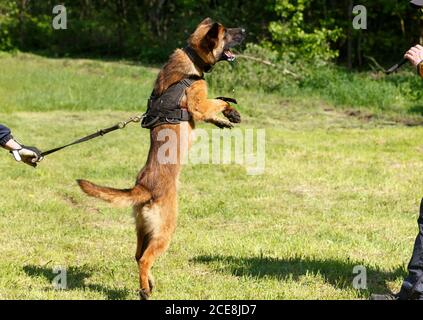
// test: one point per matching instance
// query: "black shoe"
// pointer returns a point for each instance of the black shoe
(388, 296)
(404, 294)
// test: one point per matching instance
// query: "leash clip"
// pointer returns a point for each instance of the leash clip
(135, 119)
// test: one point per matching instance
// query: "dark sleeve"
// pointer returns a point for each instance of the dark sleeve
(5, 135)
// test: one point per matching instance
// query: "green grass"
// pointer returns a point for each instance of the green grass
(338, 191)
(34, 83)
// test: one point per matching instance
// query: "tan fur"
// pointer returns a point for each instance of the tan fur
(124, 198)
(154, 196)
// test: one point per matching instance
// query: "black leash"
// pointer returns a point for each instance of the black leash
(392, 69)
(395, 67)
(100, 133)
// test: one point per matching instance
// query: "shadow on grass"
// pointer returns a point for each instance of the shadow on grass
(76, 280)
(337, 273)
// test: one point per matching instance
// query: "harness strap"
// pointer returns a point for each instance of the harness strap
(166, 108)
(179, 114)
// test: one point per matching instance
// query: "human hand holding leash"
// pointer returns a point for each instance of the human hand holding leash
(28, 155)
(415, 56)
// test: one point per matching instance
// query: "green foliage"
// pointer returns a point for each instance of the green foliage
(266, 73)
(8, 10)
(398, 95)
(299, 30)
(148, 30)
(295, 40)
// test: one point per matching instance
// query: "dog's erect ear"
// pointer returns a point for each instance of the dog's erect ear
(214, 31)
(207, 21)
(211, 38)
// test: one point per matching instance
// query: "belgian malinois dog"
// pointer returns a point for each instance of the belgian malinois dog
(154, 196)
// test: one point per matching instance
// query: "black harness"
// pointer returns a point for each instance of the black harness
(166, 108)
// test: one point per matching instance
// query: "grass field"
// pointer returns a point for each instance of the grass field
(340, 189)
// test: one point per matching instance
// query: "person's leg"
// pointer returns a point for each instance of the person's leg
(413, 284)
(412, 287)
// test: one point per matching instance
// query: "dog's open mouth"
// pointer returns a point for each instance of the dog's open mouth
(228, 55)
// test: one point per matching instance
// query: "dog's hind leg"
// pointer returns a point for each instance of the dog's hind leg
(155, 247)
(161, 221)
(143, 238)
(142, 243)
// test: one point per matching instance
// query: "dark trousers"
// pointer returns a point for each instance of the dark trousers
(413, 284)
(4, 135)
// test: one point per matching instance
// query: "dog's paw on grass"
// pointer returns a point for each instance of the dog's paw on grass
(144, 294)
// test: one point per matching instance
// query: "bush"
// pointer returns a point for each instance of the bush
(257, 68)
(263, 71)
(7, 22)
(294, 41)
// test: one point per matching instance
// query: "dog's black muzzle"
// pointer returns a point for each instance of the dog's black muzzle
(233, 38)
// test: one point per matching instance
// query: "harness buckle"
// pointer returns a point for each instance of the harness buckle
(185, 115)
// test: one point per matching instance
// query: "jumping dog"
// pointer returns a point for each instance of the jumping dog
(154, 196)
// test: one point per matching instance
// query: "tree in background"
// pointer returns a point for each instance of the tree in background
(8, 12)
(149, 30)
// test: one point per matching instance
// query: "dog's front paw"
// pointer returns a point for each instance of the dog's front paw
(222, 124)
(232, 114)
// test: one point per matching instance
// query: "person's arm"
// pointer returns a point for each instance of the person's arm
(5, 135)
(12, 145)
(415, 56)
(28, 155)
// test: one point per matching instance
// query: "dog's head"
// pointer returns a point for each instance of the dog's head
(213, 42)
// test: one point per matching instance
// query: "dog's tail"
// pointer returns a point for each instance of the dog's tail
(124, 197)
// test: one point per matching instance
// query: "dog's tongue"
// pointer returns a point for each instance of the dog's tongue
(229, 55)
